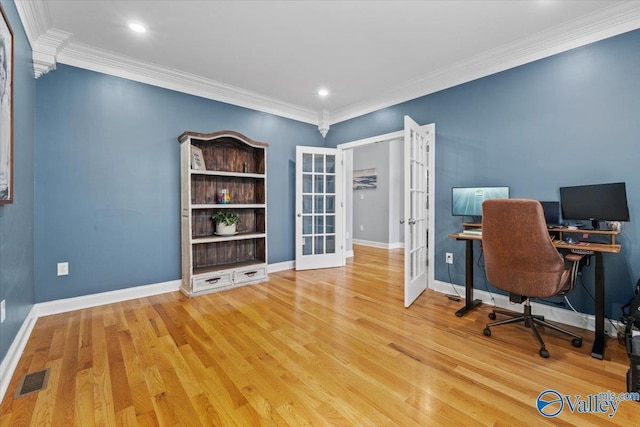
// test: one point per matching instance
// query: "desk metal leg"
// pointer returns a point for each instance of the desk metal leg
(599, 341)
(469, 302)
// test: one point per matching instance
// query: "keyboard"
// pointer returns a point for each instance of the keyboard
(472, 232)
(581, 252)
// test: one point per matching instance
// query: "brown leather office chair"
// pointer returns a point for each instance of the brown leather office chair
(520, 258)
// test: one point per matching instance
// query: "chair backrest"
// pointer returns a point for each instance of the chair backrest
(519, 255)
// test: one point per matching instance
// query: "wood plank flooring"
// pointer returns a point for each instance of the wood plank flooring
(330, 347)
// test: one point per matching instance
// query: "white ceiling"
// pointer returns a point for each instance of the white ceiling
(273, 56)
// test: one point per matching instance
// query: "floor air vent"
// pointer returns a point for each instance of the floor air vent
(30, 383)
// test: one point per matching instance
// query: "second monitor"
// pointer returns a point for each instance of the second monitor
(467, 201)
(551, 213)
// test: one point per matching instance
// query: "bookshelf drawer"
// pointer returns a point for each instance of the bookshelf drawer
(211, 281)
(250, 274)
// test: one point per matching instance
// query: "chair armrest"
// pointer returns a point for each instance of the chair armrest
(575, 260)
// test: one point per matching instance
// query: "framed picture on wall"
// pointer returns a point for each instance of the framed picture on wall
(6, 110)
(197, 159)
(365, 179)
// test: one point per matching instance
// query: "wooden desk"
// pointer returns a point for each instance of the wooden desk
(598, 249)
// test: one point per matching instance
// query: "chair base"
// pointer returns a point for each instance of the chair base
(530, 322)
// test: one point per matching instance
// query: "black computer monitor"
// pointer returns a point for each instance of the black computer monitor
(602, 202)
(551, 213)
(467, 201)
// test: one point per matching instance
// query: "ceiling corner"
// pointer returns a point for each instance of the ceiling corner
(35, 18)
(620, 17)
(46, 42)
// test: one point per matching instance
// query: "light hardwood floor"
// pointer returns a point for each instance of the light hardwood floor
(327, 347)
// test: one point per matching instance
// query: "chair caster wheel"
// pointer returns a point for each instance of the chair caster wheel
(544, 353)
(492, 316)
(576, 342)
(487, 332)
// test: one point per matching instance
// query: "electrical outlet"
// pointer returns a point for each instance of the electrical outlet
(449, 258)
(362, 228)
(63, 268)
(3, 311)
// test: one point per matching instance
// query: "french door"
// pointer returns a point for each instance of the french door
(320, 215)
(318, 208)
(417, 177)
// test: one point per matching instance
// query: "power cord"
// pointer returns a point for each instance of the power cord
(481, 266)
(576, 311)
(452, 297)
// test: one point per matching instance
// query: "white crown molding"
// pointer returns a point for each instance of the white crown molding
(51, 45)
(614, 20)
(46, 50)
(45, 41)
(90, 58)
(35, 18)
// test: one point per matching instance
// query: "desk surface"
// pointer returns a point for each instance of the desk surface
(595, 247)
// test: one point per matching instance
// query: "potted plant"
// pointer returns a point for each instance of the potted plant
(225, 222)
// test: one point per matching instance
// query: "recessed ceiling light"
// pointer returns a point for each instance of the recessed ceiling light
(323, 92)
(137, 27)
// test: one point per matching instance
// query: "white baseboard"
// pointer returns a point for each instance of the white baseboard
(281, 266)
(556, 314)
(77, 303)
(10, 361)
(378, 244)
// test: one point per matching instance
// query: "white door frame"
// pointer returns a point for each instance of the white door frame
(431, 196)
(319, 257)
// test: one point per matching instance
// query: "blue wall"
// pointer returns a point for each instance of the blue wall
(16, 220)
(570, 119)
(108, 179)
(107, 168)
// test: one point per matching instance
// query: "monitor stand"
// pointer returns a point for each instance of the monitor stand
(594, 225)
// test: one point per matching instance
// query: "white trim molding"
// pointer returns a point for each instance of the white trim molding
(617, 19)
(46, 42)
(10, 361)
(46, 50)
(51, 45)
(380, 245)
(556, 314)
(90, 58)
(281, 266)
(86, 301)
(35, 18)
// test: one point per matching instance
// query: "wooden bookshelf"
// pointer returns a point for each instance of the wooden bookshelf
(238, 164)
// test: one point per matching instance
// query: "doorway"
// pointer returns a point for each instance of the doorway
(375, 205)
(418, 186)
(320, 180)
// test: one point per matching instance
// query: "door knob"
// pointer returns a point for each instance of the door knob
(402, 221)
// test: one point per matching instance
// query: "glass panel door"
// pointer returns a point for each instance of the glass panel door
(318, 221)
